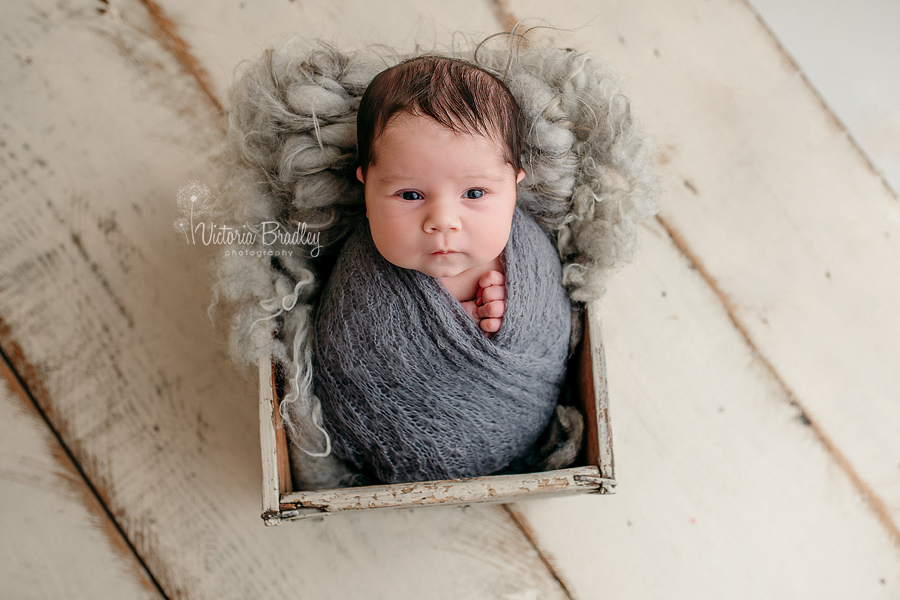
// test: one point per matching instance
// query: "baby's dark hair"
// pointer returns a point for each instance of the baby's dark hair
(455, 93)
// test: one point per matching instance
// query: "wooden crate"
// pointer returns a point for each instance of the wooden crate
(596, 475)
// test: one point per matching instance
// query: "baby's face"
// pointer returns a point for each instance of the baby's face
(438, 201)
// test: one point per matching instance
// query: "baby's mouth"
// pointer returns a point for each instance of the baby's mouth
(442, 252)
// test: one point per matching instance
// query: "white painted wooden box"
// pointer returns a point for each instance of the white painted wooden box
(596, 473)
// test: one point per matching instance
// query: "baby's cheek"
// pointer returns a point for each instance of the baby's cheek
(393, 248)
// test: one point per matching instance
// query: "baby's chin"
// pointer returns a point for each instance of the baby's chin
(447, 267)
(448, 273)
(438, 271)
(441, 273)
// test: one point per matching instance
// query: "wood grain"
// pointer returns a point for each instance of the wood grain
(496, 488)
(788, 246)
(795, 231)
(105, 304)
(57, 540)
(723, 490)
(221, 38)
(273, 468)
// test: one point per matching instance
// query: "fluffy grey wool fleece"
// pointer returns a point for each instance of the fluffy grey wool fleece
(412, 390)
(290, 158)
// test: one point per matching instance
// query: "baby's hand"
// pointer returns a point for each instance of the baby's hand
(490, 303)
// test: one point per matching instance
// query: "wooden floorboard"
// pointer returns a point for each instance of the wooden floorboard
(777, 215)
(781, 210)
(724, 491)
(58, 541)
(765, 304)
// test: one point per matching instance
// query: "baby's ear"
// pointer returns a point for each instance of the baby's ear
(362, 180)
(519, 177)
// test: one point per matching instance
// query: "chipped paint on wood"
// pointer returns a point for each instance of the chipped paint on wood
(593, 376)
(779, 211)
(694, 441)
(767, 196)
(495, 488)
(90, 123)
(51, 521)
(167, 33)
(268, 441)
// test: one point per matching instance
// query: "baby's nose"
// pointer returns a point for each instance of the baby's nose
(441, 217)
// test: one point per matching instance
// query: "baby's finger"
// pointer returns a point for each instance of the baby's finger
(491, 310)
(470, 309)
(491, 325)
(492, 278)
(492, 294)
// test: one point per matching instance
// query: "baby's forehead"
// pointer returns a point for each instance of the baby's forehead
(404, 128)
(415, 120)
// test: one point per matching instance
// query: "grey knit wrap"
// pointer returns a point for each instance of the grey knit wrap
(412, 390)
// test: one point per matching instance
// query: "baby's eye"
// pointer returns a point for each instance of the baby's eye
(474, 194)
(411, 195)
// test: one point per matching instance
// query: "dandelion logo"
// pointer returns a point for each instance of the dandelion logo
(193, 199)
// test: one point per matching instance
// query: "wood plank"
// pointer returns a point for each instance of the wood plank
(795, 231)
(496, 488)
(272, 467)
(723, 490)
(103, 312)
(242, 31)
(57, 540)
(843, 49)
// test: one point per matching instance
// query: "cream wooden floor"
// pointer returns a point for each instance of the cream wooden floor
(753, 346)
(850, 52)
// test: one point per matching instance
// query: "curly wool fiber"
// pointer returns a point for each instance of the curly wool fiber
(291, 155)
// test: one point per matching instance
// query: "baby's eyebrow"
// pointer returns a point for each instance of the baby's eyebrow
(485, 177)
(392, 178)
(474, 176)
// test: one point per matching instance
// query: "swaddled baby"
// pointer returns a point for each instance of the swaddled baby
(443, 330)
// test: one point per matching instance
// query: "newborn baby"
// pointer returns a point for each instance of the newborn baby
(443, 330)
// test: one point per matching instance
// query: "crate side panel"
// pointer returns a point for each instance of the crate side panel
(271, 467)
(502, 488)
